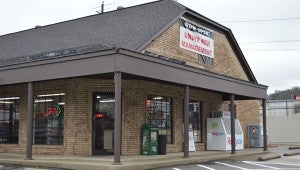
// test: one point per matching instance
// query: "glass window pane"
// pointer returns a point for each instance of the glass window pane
(159, 114)
(49, 119)
(9, 120)
(195, 118)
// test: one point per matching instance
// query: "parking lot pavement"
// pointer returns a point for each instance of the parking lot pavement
(285, 163)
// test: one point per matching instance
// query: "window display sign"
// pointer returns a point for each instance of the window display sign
(54, 111)
(196, 38)
(49, 119)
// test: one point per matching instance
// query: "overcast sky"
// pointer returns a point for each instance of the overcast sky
(268, 35)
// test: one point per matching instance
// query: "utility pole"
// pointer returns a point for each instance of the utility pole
(102, 7)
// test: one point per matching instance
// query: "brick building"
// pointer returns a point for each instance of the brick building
(86, 86)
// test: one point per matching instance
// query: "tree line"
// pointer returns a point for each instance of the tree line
(285, 94)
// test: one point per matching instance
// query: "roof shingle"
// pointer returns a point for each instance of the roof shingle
(127, 28)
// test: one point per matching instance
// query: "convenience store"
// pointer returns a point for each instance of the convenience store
(86, 86)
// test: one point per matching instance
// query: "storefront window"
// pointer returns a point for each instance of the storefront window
(159, 114)
(195, 119)
(49, 119)
(9, 120)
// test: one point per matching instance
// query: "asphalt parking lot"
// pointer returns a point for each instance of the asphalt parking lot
(290, 163)
(284, 163)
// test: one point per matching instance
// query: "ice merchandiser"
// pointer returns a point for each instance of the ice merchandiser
(219, 134)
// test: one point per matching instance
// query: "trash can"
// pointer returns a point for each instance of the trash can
(162, 144)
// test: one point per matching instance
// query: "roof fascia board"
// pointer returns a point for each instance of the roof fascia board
(60, 59)
(188, 68)
(238, 50)
(84, 65)
(149, 67)
(159, 33)
(136, 64)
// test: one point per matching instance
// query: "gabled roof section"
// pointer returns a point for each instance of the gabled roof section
(215, 25)
(230, 38)
(130, 28)
(125, 28)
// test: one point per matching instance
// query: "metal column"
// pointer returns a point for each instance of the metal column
(29, 121)
(117, 123)
(264, 124)
(232, 123)
(186, 120)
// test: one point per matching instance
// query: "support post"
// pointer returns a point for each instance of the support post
(29, 121)
(264, 124)
(232, 124)
(117, 123)
(186, 121)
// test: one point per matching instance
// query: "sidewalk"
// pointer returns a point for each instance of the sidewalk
(138, 162)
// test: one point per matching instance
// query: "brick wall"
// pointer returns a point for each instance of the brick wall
(225, 61)
(79, 91)
(78, 113)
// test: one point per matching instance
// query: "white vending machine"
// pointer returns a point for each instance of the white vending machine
(219, 134)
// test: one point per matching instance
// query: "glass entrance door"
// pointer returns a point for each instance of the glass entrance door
(103, 123)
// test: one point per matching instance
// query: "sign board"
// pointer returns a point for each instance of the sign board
(196, 38)
(54, 111)
(219, 137)
(192, 147)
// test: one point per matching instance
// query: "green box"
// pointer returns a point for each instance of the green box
(149, 140)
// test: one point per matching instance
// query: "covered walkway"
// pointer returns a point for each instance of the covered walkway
(137, 162)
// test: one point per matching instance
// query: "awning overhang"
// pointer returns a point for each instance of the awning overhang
(128, 62)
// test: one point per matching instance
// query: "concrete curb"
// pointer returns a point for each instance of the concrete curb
(291, 153)
(294, 147)
(129, 164)
(2, 167)
(268, 157)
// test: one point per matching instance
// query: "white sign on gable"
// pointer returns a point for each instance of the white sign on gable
(196, 38)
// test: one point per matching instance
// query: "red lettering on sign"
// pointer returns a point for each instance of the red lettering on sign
(196, 48)
(53, 111)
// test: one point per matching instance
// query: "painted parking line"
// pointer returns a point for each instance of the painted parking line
(176, 169)
(206, 167)
(293, 157)
(233, 166)
(282, 163)
(258, 164)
